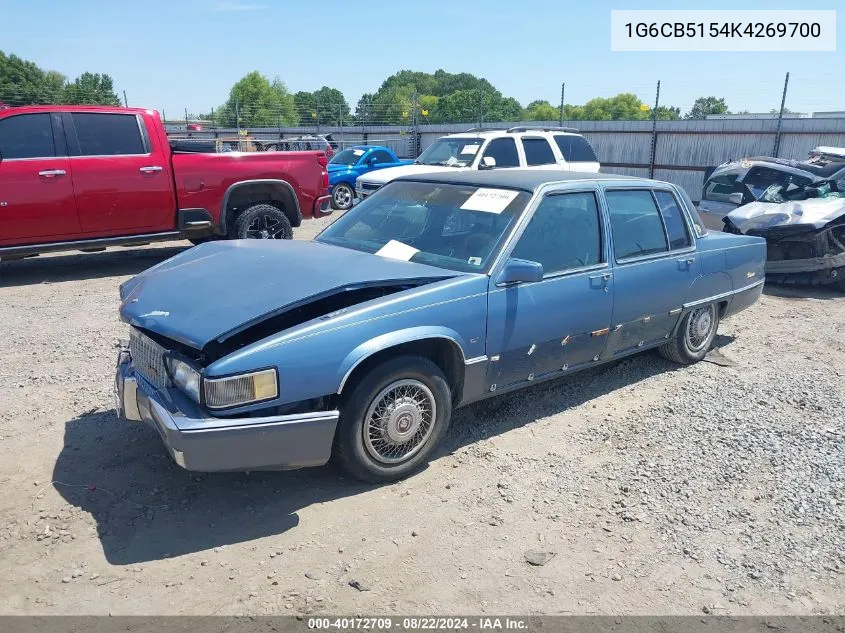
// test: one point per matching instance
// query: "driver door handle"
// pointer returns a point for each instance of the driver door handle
(52, 173)
(604, 276)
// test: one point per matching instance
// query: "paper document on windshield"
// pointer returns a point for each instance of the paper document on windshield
(489, 200)
(397, 250)
(470, 149)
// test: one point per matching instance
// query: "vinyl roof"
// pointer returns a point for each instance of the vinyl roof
(525, 179)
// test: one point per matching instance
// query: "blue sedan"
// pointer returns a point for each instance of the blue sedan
(436, 291)
(350, 163)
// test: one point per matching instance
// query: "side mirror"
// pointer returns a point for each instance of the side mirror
(735, 198)
(520, 271)
(371, 161)
(488, 162)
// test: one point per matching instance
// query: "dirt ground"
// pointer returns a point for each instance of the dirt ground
(645, 487)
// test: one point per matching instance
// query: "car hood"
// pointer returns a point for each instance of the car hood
(815, 212)
(336, 167)
(215, 290)
(382, 176)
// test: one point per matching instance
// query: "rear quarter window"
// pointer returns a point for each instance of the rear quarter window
(575, 148)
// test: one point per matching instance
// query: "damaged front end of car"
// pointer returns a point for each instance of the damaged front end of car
(804, 245)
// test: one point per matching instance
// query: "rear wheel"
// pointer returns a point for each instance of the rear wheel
(342, 196)
(392, 419)
(263, 222)
(694, 337)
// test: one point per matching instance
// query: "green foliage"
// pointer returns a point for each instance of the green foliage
(541, 111)
(258, 102)
(24, 83)
(91, 88)
(706, 105)
(326, 105)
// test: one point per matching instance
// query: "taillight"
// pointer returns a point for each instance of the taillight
(324, 162)
(325, 180)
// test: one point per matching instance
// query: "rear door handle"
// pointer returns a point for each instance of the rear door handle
(52, 173)
(604, 276)
(151, 169)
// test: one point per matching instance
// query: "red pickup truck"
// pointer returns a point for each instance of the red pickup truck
(87, 177)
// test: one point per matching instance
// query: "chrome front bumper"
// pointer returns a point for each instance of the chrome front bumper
(199, 442)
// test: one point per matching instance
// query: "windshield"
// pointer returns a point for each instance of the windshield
(347, 157)
(451, 152)
(458, 227)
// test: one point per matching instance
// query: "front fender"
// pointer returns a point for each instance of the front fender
(391, 339)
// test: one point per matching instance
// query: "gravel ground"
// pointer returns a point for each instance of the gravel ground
(639, 488)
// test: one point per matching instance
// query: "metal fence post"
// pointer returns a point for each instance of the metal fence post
(780, 117)
(562, 89)
(125, 100)
(238, 120)
(340, 119)
(654, 132)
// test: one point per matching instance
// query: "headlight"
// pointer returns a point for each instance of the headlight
(241, 389)
(185, 378)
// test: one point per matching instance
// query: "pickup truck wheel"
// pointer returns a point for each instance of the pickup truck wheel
(263, 222)
(392, 419)
(342, 196)
(694, 337)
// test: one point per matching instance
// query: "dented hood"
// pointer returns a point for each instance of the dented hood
(217, 289)
(759, 216)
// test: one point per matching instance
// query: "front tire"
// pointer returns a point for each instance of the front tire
(392, 419)
(694, 336)
(263, 222)
(342, 196)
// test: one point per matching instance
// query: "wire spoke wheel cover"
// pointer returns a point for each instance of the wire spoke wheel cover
(699, 327)
(265, 227)
(399, 421)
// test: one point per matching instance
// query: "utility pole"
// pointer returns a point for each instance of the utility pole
(238, 120)
(654, 132)
(780, 117)
(562, 91)
(481, 110)
(125, 101)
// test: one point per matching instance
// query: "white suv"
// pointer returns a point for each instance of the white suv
(558, 148)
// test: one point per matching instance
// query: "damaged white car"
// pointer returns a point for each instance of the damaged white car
(798, 206)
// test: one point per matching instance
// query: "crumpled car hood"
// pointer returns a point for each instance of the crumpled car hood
(214, 290)
(815, 212)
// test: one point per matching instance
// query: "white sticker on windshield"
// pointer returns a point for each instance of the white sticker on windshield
(489, 200)
(470, 149)
(397, 250)
(357, 152)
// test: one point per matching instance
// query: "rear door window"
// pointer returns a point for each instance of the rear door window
(538, 151)
(27, 136)
(673, 219)
(108, 134)
(635, 223)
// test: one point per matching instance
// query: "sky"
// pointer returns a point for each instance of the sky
(187, 54)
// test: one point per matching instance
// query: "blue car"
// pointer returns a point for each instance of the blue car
(350, 163)
(436, 291)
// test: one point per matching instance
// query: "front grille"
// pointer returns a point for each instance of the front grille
(148, 358)
(368, 186)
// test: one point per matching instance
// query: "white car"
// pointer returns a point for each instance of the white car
(557, 148)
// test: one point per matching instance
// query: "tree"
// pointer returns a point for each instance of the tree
(24, 83)
(258, 102)
(541, 111)
(91, 88)
(706, 105)
(668, 113)
(326, 105)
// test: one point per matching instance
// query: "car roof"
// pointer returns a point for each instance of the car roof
(525, 179)
(817, 170)
(503, 132)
